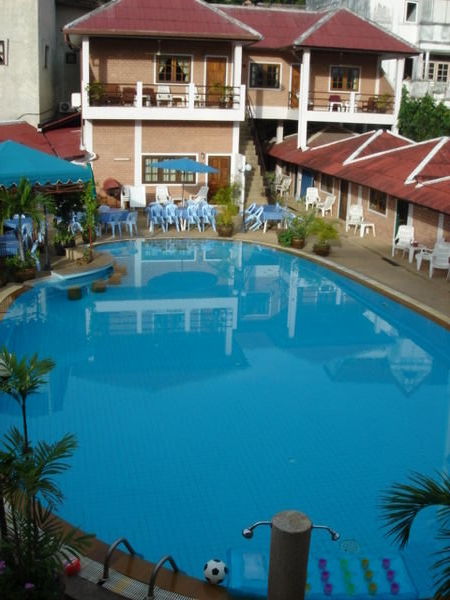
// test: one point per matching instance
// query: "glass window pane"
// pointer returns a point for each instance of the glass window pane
(152, 174)
(264, 75)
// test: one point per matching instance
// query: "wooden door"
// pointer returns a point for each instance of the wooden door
(295, 86)
(343, 200)
(220, 179)
(216, 78)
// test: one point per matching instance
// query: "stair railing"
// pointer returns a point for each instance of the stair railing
(109, 554)
(154, 574)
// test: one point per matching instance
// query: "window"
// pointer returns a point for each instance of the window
(326, 183)
(378, 201)
(344, 78)
(2, 52)
(173, 69)
(152, 174)
(437, 71)
(411, 12)
(264, 75)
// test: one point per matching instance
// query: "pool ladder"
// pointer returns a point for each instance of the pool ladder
(155, 570)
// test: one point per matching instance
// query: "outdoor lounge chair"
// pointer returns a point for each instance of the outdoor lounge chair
(326, 205)
(162, 195)
(312, 197)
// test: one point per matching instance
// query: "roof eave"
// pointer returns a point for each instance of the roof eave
(161, 34)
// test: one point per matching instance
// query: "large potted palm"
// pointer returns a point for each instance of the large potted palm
(226, 199)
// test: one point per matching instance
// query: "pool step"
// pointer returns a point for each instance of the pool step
(121, 584)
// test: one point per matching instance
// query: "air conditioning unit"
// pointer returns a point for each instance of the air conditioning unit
(65, 106)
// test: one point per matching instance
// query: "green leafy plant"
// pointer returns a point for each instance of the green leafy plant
(325, 231)
(90, 215)
(15, 263)
(22, 377)
(285, 237)
(422, 118)
(63, 236)
(303, 225)
(34, 545)
(24, 200)
(226, 197)
(96, 91)
(404, 501)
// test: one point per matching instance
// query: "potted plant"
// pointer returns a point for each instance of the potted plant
(21, 269)
(325, 231)
(301, 227)
(63, 239)
(226, 197)
(96, 91)
(285, 237)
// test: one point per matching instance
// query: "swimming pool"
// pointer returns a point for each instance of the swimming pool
(221, 383)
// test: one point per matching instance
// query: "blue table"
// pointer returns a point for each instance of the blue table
(273, 213)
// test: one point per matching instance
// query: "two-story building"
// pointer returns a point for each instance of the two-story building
(165, 81)
(424, 23)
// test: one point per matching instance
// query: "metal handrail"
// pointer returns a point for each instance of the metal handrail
(155, 571)
(109, 553)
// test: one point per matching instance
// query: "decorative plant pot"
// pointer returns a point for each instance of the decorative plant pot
(298, 243)
(322, 249)
(225, 230)
(24, 274)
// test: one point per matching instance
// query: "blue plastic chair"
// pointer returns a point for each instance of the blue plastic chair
(254, 220)
(208, 216)
(171, 215)
(115, 221)
(131, 222)
(193, 217)
(156, 217)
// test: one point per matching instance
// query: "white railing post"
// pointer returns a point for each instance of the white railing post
(352, 102)
(139, 94)
(191, 96)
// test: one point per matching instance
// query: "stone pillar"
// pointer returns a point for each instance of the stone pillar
(289, 549)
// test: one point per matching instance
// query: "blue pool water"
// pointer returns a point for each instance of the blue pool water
(221, 383)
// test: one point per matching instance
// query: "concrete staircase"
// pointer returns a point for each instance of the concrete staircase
(254, 182)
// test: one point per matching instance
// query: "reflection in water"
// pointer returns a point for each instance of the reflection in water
(207, 347)
(188, 299)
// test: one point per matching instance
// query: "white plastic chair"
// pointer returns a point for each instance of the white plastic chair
(200, 196)
(354, 217)
(438, 258)
(162, 195)
(403, 239)
(326, 205)
(312, 197)
(164, 95)
(283, 187)
(131, 222)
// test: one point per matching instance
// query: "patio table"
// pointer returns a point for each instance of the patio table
(273, 214)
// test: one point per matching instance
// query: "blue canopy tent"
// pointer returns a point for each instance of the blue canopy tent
(40, 169)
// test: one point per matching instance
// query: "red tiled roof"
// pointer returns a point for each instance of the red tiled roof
(168, 18)
(25, 134)
(383, 164)
(64, 142)
(339, 29)
(279, 27)
(345, 30)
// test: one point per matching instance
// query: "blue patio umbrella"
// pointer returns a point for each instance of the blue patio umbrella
(184, 165)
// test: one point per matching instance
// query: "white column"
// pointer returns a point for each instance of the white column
(237, 65)
(88, 136)
(138, 152)
(440, 228)
(280, 131)
(427, 64)
(139, 94)
(376, 90)
(84, 72)
(398, 91)
(303, 104)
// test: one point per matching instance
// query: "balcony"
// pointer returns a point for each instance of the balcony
(163, 102)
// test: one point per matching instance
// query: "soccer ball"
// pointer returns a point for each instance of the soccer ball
(215, 571)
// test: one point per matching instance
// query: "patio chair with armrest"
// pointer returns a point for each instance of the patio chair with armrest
(403, 239)
(156, 216)
(164, 95)
(326, 205)
(312, 197)
(255, 220)
(162, 195)
(438, 257)
(354, 217)
(171, 216)
(200, 196)
(131, 222)
(208, 215)
(334, 102)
